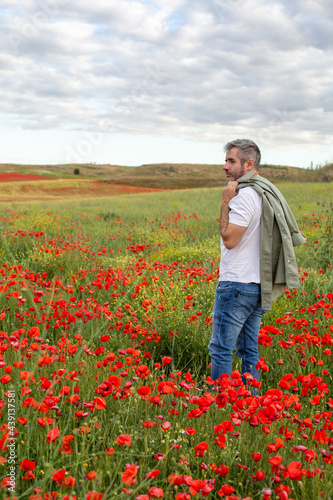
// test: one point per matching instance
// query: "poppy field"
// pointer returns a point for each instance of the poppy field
(105, 388)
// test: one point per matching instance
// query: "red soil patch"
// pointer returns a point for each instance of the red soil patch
(15, 177)
(93, 189)
(98, 188)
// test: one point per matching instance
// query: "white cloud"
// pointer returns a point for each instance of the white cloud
(184, 68)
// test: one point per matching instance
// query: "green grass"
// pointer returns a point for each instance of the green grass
(141, 269)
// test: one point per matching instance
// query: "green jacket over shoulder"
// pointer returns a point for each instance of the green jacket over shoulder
(279, 234)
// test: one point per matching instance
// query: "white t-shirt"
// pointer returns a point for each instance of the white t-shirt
(242, 263)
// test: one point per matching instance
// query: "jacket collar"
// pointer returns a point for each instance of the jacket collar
(247, 177)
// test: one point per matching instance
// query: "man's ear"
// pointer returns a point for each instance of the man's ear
(250, 164)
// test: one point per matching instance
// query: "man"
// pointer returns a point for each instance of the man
(258, 232)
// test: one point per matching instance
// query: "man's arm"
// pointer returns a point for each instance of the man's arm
(231, 233)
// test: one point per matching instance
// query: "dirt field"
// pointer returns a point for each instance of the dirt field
(17, 177)
(37, 188)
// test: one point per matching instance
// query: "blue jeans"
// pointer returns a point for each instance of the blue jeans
(237, 316)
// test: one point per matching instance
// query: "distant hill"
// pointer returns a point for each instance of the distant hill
(169, 175)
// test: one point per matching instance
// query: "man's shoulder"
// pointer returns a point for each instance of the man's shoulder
(249, 192)
(261, 185)
(247, 200)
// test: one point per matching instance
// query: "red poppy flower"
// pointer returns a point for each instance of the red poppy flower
(175, 479)
(224, 427)
(226, 490)
(143, 390)
(275, 462)
(149, 424)
(114, 380)
(196, 486)
(94, 495)
(109, 451)
(166, 387)
(320, 436)
(104, 338)
(166, 360)
(68, 482)
(43, 421)
(260, 475)
(197, 413)
(73, 398)
(91, 475)
(20, 364)
(253, 421)
(190, 431)
(27, 465)
(58, 475)
(155, 492)
(221, 400)
(294, 471)
(52, 435)
(33, 331)
(123, 439)
(152, 474)
(129, 475)
(200, 449)
(222, 469)
(5, 379)
(183, 496)
(99, 403)
(220, 441)
(6, 482)
(28, 476)
(165, 426)
(310, 455)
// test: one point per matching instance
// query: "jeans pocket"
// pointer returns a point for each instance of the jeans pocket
(223, 285)
(244, 304)
(221, 297)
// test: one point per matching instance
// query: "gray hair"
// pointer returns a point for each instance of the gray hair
(246, 149)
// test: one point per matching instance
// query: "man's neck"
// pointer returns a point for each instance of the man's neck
(246, 177)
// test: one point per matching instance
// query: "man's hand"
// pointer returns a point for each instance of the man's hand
(229, 192)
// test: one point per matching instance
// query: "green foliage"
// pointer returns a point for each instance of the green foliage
(150, 261)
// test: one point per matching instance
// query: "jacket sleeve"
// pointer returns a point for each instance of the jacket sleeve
(298, 238)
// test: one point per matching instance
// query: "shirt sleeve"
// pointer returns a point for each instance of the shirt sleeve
(242, 208)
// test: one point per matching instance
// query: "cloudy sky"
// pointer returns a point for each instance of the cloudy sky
(143, 81)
